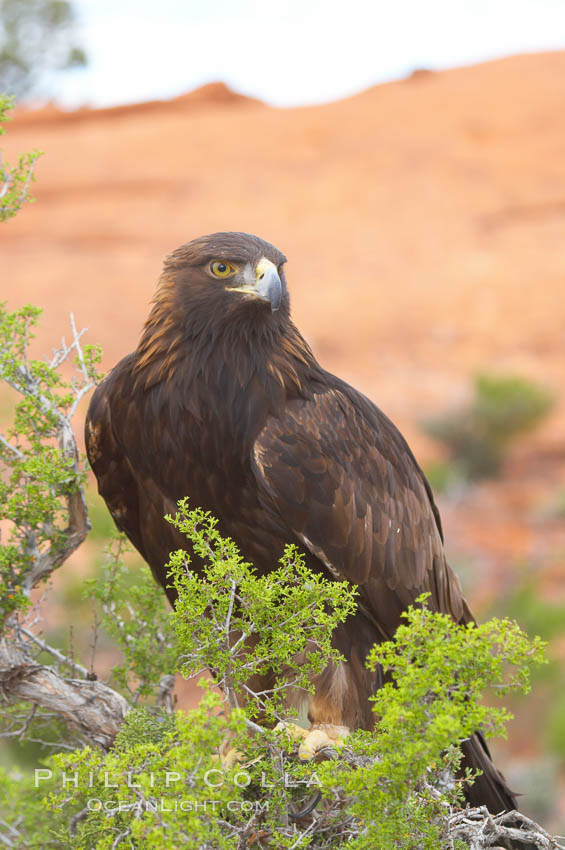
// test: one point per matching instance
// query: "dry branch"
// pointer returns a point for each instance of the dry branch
(511, 830)
(78, 525)
(92, 708)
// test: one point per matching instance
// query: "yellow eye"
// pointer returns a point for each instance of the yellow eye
(221, 269)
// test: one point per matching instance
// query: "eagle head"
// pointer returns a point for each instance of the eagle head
(228, 272)
(221, 299)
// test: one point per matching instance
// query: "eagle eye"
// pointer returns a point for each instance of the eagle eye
(221, 269)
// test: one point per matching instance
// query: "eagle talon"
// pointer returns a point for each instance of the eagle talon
(319, 737)
(293, 730)
(230, 757)
(307, 809)
(316, 738)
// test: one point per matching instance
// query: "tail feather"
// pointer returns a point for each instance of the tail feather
(490, 789)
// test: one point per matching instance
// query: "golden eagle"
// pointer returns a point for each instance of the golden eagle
(224, 402)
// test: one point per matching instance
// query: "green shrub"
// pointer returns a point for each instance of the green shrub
(477, 436)
(14, 180)
(392, 788)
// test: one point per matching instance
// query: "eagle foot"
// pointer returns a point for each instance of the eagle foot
(321, 736)
(231, 757)
(318, 737)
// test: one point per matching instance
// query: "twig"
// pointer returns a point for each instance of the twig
(119, 837)
(11, 448)
(54, 652)
(78, 525)
(165, 697)
(76, 819)
(31, 169)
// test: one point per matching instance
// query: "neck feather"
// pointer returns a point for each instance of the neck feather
(243, 348)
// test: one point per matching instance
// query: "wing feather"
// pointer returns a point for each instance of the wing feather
(117, 483)
(345, 481)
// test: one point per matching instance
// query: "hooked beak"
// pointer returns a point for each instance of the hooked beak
(266, 286)
(268, 283)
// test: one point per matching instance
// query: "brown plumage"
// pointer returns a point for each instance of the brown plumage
(224, 402)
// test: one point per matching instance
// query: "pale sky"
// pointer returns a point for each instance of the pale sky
(290, 52)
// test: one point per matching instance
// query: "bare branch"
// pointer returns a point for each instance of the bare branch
(29, 176)
(165, 697)
(91, 707)
(481, 830)
(230, 609)
(78, 526)
(54, 652)
(11, 448)
(76, 344)
(75, 820)
(6, 185)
